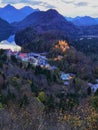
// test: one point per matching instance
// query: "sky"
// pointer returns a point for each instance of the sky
(71, 8)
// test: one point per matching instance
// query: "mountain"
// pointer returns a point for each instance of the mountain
(42, 29)
(69, 19)
(96, 20)
(44, 21)
(5, 29)
(11, 14)
(83, 21)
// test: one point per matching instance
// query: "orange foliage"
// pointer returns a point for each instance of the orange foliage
(63, 45)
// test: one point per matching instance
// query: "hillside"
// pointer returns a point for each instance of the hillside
(31, 40)
(36, 97)
(5, 29)
(90, 30)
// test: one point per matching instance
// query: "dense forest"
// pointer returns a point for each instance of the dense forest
(88, 46)
(34, 97)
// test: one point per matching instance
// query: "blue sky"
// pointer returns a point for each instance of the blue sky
(66, 7)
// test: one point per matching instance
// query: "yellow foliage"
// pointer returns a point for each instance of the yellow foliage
(84, 118)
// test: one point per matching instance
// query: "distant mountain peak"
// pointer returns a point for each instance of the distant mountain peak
(83, 20)
(9, 6)
(83, 17)
(52, 12)
(26, 7)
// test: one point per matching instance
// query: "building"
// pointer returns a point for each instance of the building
(65, 77)
(94, 87)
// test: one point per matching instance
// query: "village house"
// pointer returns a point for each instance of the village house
(65, 77)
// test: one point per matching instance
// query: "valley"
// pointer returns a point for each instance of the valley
(48, 70)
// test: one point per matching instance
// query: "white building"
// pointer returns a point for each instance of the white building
(94, 87)
(65, 77)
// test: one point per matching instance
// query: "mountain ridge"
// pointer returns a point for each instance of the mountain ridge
(83, 20)
(11, 14)
(45, 21)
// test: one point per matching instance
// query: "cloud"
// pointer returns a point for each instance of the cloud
(30, 2)
(9, 1)
(33, 1)
(68, 2)
(20, 1)
(49, 6)
(81, 4)
(94, 6)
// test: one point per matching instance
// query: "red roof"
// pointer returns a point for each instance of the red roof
(23, 55)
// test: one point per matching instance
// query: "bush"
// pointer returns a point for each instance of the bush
(42, 97)
(2, 52)
(96, 93)
(13, 59)
(34, 88)
(1, 106)
(3, 100)
(89, 91)
(50, 103)
(14, 80)
(68, 102)
(24, 101)
(94, 102)
(1, 64)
